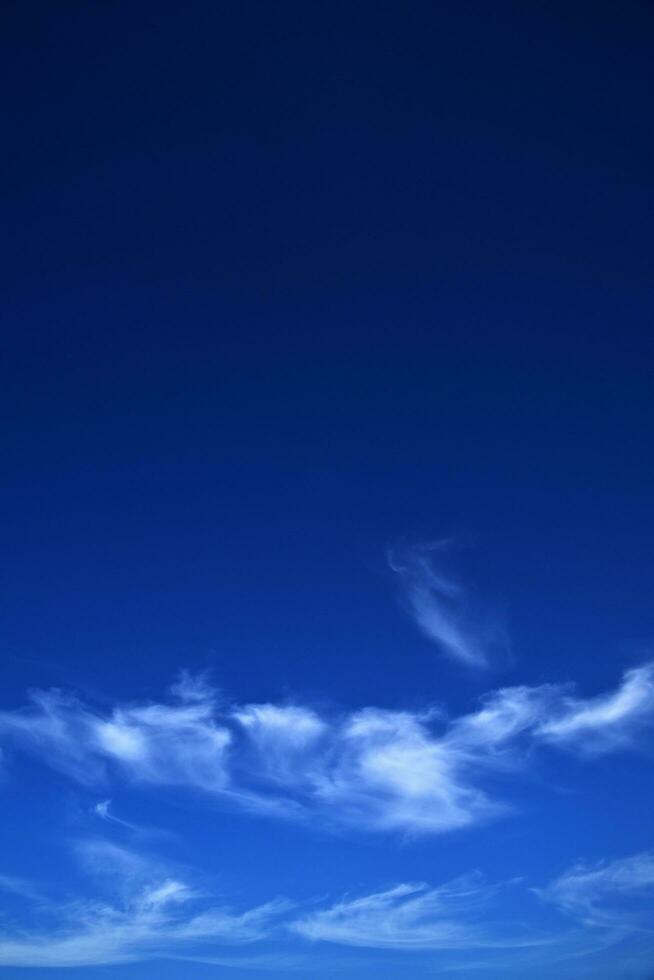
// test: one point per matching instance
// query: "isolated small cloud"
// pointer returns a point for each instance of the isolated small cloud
(104, 811)
(192, 687)
(443, 609)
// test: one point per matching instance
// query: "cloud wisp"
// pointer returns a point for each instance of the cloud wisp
(608, 905)
(605, 722)
(417, 917)
(144, 909)
(152, 914)
(104, 811)
(374, 769)
(444, 610)
(610, 894)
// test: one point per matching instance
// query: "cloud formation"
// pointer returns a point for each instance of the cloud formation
(443, 609)
(104, 812)
(603, 723)
(605, 905)
(374, 769)
(153, 915)
(416, 917)
(610, 894)
(145, 909)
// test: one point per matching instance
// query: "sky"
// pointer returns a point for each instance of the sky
(326, 479)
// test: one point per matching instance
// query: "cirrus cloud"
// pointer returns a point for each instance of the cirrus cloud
(375, 768)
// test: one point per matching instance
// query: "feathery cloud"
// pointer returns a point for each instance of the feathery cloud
(610, 894)
(152, 915)
(104, 812)
(146, 909)
(443, 609)
(602, 723)
(416, 917)
(374, 769)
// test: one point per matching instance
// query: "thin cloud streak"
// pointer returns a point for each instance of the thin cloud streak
(104, 812)
(416, 917)
(602, 895)
(156, 911)
(602, 723)
(154, 915)
(443, 609)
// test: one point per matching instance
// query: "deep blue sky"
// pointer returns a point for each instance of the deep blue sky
(284, 285)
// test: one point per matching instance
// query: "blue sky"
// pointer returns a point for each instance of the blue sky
(326, 372)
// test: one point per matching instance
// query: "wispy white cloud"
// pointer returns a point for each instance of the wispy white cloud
(376, 769)
(57, 727)
(391, 772)
(15, 885)
(171, 744)
(192, 687)
(145, 909)
(104, 812)
(151, 915)
(101, 809)
(611, 894)
(605, 722)
(494, 929)
(416, 917)
(282, 963)
(281, 740)
(178, 743)
(148, 909)
(443, 609)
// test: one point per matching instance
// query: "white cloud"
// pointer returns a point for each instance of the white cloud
(15, 885)
(611, 894)
(151, 915)
(192, 687)
(503, 718)
(392, 773)
(169, 744)
(444, 610)
(102, 809)
(145, 909)
(416, 917)
(57, 727)
(611, 904)
(104, 812)
(156, 743)
(282, 740)
(149, 909)
(602, 723)
(376, 769)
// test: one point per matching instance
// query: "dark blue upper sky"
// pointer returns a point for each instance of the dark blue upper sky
(287, 283)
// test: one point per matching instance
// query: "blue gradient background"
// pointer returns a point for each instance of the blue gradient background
(284, 283)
